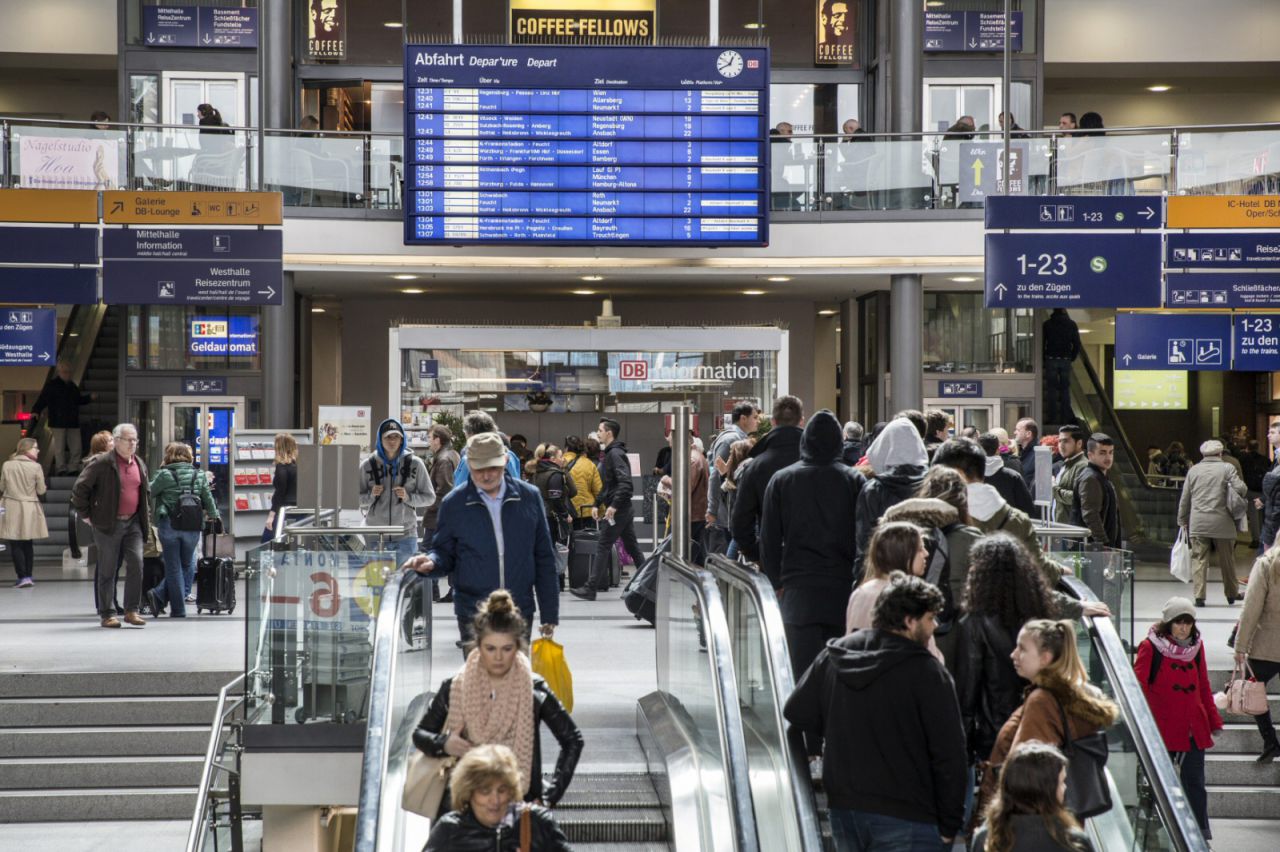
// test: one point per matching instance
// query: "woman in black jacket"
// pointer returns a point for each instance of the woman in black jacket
(284, 482)
(483, 818)
(488, 699)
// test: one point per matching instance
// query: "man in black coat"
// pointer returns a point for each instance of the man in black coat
(894, 762)
(63, 399)
(779, 448)
(619, 515)
(806, 546)
(1004, 479)
(1027, 434)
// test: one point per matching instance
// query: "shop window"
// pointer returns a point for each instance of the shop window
(962, 336)
(164, 337)
(144, 98)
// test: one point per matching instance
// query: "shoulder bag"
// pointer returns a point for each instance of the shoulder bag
(1245, 696)
(1088, 790)
(425, 781)
(526, 829)
(1238, 506)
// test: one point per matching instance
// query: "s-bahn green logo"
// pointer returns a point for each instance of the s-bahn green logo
(1098, 264)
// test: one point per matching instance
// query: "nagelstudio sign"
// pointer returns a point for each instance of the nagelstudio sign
(631, 22)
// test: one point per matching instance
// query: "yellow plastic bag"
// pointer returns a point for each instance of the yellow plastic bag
(547, 658)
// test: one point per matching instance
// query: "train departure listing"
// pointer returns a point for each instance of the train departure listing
(586, 144)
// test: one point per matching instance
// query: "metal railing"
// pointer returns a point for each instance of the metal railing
(832, 175)
(199, 829)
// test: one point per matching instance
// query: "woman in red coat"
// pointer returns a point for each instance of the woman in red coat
(1171, 668)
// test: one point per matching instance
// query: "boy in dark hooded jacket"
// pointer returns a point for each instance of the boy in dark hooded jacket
(394, 485)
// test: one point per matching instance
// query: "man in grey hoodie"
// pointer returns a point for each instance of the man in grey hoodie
(394, 485)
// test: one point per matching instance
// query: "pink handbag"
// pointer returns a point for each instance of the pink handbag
(1246, 697)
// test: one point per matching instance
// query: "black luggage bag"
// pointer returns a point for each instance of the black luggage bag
(152, 576)
(641, 593)
(582, 551)
(215, 579)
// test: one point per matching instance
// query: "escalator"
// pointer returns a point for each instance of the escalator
(1148, 507)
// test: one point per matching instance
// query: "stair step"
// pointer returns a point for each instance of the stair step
(104, 741)
(1237, 738)
(106, 710)
(1240, 770)
(82, 805)
(610, 825)
(1239, 802)
(39, 773)
(85, 684)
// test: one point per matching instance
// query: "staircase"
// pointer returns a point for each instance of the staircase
(614, 811)
(1238, 787)
(104, 745)
(102, 378)
(57, 507)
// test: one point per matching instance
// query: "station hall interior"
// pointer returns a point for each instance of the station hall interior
(859, 279)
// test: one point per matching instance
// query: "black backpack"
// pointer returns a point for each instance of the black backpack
(188, 513)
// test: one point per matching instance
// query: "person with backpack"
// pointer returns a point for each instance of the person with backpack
(899, 459)
(183, 504)
(1172, 670)
(557, 489)
(394, 485)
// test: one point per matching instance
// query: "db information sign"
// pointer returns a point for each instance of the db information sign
(633, 371)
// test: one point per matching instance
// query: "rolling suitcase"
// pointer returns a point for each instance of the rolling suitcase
(152, 576)
(215, 579)
(641, 594)
(582, 551)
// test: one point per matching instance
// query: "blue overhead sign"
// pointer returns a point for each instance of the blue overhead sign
(199, 26)
(1256, 346)
(1173, 341)
(192, 265)
(46, 244)
(1200, 250)
(28, 337)
(49, 285)
(586, 145)
(959, 389)
(1063, 270)
(161, 243)
(235, 336)
(1074, 212)
(970, 32)
(1223, 290)
(206, 386)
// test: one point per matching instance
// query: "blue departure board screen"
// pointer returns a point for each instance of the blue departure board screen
(586, 145)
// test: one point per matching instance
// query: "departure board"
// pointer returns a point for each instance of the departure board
(586, 145)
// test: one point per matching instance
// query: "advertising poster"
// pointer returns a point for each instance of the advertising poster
(54, 162)
(345, 424)
(834, 45)
(326, 29)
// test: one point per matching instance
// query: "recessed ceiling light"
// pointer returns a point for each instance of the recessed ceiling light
(405, 277)
(393, 25)
(963, 279)
(753, 25)
(778, 279)
(1160, 88)
(935, 3)
(591, 277)
(317, 310)
(412, 291)
(584, 292)
(826, 312)
(1086, 331)
(753, 292)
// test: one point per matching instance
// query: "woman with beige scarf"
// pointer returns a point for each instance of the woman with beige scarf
(496, 698)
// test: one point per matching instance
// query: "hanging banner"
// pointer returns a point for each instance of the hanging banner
(630, 22)
(326, 29)
(834, 32)
(59, 162)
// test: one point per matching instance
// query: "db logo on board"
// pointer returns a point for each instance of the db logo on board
(633, 371)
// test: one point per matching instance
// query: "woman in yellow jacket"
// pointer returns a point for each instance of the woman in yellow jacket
(586, 476)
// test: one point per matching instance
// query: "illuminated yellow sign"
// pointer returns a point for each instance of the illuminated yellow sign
(1151, 390)
(584, 21)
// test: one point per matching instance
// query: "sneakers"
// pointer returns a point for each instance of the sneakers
(110, 621)
(585, 593)
(24, 583)
(154, 603)
(133, 618)
(190, 599)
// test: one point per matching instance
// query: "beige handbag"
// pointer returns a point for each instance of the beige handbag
(425, 781)
(1246, 697)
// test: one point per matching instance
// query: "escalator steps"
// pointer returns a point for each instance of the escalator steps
(612, 808)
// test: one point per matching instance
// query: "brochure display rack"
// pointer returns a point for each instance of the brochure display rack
(253, 463)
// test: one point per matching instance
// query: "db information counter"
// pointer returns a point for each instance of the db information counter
(547, 383)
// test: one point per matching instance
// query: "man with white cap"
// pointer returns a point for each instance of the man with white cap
(492, 534)
(1205, 514)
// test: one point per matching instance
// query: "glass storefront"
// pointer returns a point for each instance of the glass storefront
(961, 336)
(184, 337)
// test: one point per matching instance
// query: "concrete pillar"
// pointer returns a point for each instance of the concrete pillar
(906, 323)
(850, 363)
(906, 68)
(279, 385)
(277, 63)
(825, 358)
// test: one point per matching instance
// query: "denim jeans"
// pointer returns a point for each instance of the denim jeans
(859, 831)
(180, 554)
(1191, 765)
(406, 548)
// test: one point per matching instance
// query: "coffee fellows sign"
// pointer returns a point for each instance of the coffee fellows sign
(834, 44)
(628, 22)
(326, 29)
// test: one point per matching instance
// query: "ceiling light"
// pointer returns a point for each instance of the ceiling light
(584, 292)
(405, 277)
(591, 277)
(963, 279)
(317, 310)
(778, 279)
(412, 291)
(393, 25)
(936, 3)
(1086, 331)
(753, 292)
(826, 312)
(753, 25)
(1160, 88)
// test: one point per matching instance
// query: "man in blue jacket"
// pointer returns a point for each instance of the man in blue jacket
(492, 534)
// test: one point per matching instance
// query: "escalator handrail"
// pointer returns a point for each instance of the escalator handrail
(783, 680)
(733, 743)
(1170, 798)
(378, 735)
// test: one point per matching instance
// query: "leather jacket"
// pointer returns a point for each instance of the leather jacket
(988, 688)
(460, 831)
(430, 737)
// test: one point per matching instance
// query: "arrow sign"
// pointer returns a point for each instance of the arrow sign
(977, 173)
(973, 42)
(1127, 359)
(1073, 212)
(1000, 290)
(117, 207)
(1173, 341)
(206, 38)
(27, 337)
(269, 292)
(44, 356)
(1146, 213)
(151, 39)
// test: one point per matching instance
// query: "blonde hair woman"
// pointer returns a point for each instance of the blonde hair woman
(22, 521)
(284, 482)
(486, 785)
